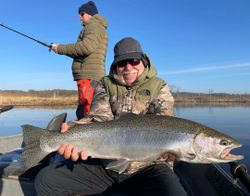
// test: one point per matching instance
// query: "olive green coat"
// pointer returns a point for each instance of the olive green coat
(89, 52)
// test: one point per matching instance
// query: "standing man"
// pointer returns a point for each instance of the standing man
(88, 53)
(131, 86)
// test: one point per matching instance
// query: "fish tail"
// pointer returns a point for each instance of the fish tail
(32, 153)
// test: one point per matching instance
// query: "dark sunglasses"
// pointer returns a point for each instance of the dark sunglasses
(81, 14)
(132, 62)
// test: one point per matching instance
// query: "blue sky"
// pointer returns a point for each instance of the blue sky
(196, 45)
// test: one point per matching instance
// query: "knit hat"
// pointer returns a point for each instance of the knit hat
(89, 8)
(127, 48)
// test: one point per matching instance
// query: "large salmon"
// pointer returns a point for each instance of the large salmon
(134, 138)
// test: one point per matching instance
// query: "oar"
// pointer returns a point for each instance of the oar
(240, 171)
(6, 108)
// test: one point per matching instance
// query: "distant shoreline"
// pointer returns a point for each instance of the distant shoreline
(62, 98)
(51, 98)
(212, 98)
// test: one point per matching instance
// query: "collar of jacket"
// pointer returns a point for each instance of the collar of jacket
(96, 18)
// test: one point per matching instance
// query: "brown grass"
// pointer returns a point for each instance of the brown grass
(57, 98)
(32, 100)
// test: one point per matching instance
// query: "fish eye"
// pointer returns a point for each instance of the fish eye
(225, 142)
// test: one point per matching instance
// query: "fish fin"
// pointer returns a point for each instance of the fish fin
(118, 166)
(31, 133)
(126, 115)
(190, 156)
(32, 153)
(56, 122)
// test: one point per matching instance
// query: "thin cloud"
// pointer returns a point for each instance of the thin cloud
(206, 69)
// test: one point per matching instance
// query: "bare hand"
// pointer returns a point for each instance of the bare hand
(55, 47)
(167, 157)
(70, 151)
(64, 128)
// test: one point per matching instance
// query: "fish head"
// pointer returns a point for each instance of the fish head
(214, 148)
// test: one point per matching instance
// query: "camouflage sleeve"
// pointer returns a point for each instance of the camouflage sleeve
(164, 102)
(100, 107)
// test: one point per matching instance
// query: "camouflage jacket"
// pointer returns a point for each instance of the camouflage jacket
(149, 95)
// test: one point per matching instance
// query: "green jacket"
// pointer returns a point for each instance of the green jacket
(89, 52)
(148, 95)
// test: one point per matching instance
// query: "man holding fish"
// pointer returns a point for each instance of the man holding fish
(132, 86)
(128, 152)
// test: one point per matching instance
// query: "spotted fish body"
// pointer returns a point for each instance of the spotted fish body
(140, 138)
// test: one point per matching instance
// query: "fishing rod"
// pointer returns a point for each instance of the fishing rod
(79, 59)
(239, 171)
(38, 41)
(6, 108)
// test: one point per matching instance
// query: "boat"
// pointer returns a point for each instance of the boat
(197, 179)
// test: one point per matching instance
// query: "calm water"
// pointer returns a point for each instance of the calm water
(232, 120)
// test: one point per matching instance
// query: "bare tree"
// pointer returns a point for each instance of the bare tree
(210, 92)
